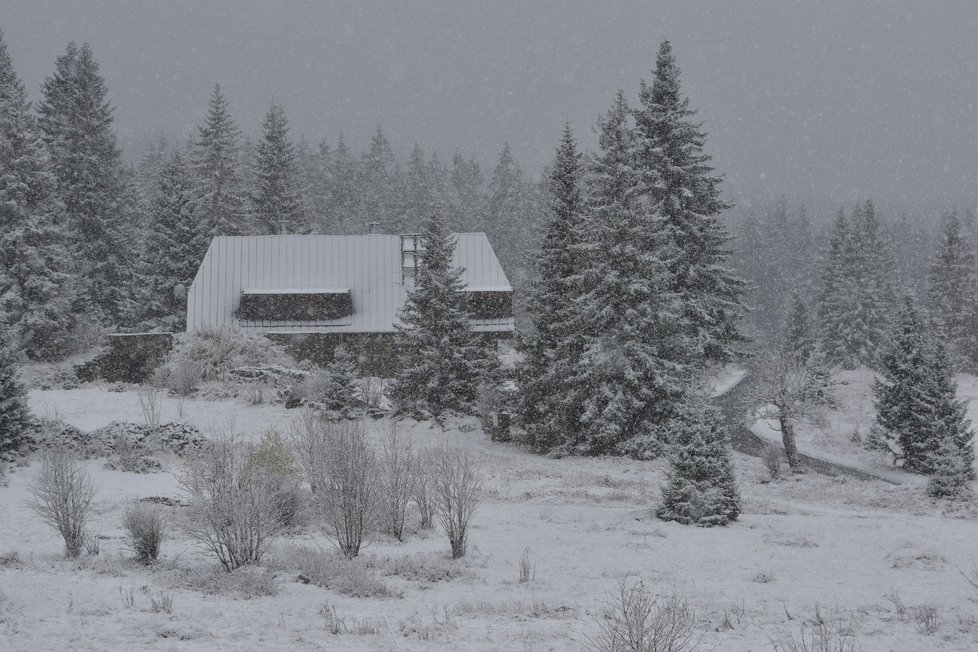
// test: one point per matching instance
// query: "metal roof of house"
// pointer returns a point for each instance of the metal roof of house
(369, 265)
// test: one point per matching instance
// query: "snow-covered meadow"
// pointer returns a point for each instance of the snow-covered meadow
(871, 557)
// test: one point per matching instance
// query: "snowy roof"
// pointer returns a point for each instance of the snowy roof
(366, 266)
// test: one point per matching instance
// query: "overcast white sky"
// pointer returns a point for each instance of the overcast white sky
(828, 100)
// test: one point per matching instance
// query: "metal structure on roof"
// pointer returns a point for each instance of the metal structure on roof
(376, 270)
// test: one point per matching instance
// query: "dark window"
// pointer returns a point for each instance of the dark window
(490, 304)
(295, 306)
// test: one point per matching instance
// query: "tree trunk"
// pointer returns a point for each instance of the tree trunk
(788, 438)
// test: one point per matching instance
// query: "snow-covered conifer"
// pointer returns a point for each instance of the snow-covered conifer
(952, 292)
(676, 177)
(438, 353)
(916, 408)
(76, 125)
(219, 196)
(701, 489)
(36, 289)
(276, 198)
(552, 346)
(15, 419)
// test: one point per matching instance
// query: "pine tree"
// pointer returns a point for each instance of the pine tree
(419, 194)
(343, 191)
(175, 247)
(276, 199)
(953, 286)
(437, 350)
(76, 125)
(676, 177)
(466, 206)
(339, 387)
(701, 489)
(380, 186)
(219, 193)
(552, 346)
(15, 419)
(36, 289)
(916, 408)
(629, 317)
(798, 338)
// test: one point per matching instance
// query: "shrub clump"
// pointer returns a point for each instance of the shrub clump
(214, 352)
(145, 528)
(62, 495)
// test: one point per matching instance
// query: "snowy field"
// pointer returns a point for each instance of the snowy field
(869, 556)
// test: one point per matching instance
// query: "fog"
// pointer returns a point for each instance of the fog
(827, 101)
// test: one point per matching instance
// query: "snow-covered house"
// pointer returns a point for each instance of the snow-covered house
(348, 286)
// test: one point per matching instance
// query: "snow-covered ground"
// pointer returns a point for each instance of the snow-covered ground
(846, 547)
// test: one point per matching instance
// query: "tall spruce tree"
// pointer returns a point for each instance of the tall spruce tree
(175, 245)
(276, 199)
(36, 289)
(552, 346)
(675, 175)
(701, 489)
(76, 125)
(628, 314)
(380, 186)
(219, 195)
(953, 286)
(437, 351)
(916, 407)
(798, 340)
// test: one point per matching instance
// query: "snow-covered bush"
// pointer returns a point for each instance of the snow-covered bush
(216, 351)
(145, 528)
(424, 488)
(332, 388)
(233, 511)
(331, 571)
(291, 501)
(62, 495)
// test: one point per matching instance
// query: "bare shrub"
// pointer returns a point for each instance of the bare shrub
(927, 619)
(232, 509)
(817, 636)
(356, 626)
(246, 582)
(62, 497)
(526, 569)
(161, 603)
(310, 443)
(634, 620)
(343, 474)
(424, 488)
(458, 490)
(150, 400)
(772, 457)
(145, 528)
(396, 475)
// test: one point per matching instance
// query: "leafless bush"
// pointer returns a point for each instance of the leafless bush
(145, 528)
(526, 569)
(897, 602)
(232, 503)
(424, 488)
(396, 471)
(62, 497)
(345, 482)
(246, 582)
(371, 391)
(336, 625)
(458, 490)
(162, 603)
(817, 636)
(634, 620)
(310, 443)
(927, 618)
(183, 377)
(92, 544)
(150, 400)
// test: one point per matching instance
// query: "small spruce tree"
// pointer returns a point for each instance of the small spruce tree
(438, 354)
(916, 408)
(701, 489)
(339, 380)
(15, 419)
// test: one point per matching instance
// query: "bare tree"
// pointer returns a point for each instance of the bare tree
(634, 620)
(397, 479)
(458, 490)
(310, 443)
(150, 400)
(789, 387)
(233, 510)
(345, 482)
(62, 497)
